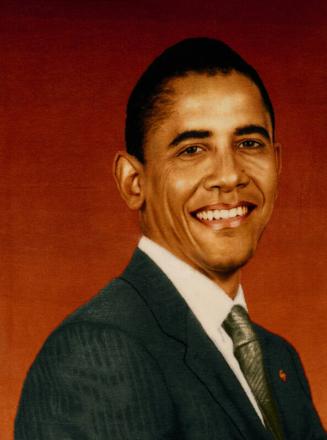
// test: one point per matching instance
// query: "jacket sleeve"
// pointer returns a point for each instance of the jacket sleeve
(94, 382)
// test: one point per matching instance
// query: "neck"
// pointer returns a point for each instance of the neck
(229, 282)
(228, 279)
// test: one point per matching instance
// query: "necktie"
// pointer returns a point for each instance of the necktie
(248, 352)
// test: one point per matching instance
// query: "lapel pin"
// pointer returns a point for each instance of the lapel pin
(282, 375)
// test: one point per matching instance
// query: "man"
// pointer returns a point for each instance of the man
(167, 350)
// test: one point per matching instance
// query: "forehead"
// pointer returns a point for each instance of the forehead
(200, 101)
(221, 89)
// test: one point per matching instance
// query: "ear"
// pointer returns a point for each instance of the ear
(128, 174)
(278, 156)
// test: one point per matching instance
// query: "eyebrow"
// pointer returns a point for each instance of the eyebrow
(202, 134)
(251, 129)
(190, 134)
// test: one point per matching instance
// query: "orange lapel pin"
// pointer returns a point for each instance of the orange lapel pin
(282, 375)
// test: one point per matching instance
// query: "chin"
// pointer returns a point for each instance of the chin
(228, 263)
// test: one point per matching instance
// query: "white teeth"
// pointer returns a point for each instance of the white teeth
(218, 214)
(240, 210)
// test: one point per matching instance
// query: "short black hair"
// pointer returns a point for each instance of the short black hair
(199, 55)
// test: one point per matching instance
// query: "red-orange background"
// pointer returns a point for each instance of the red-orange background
(66, 71)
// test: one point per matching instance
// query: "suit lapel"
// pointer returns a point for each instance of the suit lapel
(208, 364)
(274, 366)
(201, 356)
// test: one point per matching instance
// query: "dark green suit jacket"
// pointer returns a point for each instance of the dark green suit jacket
(134, 363)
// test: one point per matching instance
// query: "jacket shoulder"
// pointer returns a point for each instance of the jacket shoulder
(117, 309)
(116, 304)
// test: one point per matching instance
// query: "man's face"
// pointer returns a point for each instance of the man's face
(211, 172)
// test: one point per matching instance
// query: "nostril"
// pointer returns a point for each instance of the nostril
(225, 180)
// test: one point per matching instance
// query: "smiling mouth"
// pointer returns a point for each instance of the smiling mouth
(226, 215)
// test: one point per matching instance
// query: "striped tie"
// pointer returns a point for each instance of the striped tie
(248, 352)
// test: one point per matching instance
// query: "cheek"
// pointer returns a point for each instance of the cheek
(269, 179)
(259, 164)
(180, 187)
(180, 184)
(263, 171)
(174, 184)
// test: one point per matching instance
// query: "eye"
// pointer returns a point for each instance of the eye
(191, 150)
(251, 144)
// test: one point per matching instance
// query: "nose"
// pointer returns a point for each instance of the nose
(225, 172)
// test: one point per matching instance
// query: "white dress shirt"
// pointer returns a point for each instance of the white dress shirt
(209, 303)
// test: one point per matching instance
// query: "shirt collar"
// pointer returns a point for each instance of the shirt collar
(209, 303)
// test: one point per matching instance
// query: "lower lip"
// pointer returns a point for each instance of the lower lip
(225, 223)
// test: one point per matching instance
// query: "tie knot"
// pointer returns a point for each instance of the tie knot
(238, 326)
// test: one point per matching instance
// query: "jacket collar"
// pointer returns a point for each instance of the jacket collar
(168, 307)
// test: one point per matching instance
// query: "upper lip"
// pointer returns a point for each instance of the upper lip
(221, 206)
